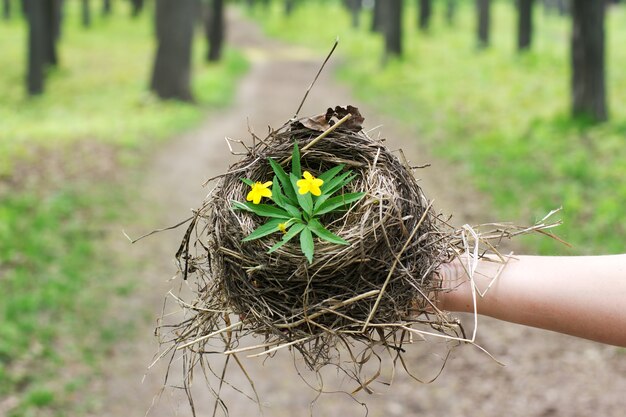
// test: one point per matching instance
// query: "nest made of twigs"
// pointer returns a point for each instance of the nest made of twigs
(373, 292)
(383, 278)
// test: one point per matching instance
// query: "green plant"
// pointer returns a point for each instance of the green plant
(300, 202)
(40, 397)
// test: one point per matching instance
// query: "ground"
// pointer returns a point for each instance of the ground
(543, 374)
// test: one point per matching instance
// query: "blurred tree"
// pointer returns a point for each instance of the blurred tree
(483, 12)
(57, 9)
(588, 78)
(355, 7)
(86, 13)
(376, 16)
(560, 6)
(391, 22)
(171, 75)
(450, 11)
(525, 24)
(424, 13)
(214, 27)
(51, 29)
(6, 9)
(252, 4)
(137, 7)
(35, 14)
(289, 4)
(44, 27)
(106, 7)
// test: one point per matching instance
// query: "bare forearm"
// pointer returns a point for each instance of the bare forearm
(581, 296)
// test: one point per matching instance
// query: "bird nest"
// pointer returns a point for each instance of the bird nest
(375, 292)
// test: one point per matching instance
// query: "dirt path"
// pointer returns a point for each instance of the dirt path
(545, 374)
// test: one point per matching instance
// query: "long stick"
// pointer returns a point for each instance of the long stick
(323, 135)
(327, 132)
(316, 77)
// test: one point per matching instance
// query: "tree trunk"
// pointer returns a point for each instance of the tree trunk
(289, 4)
(50, 27)
(562, 7)
(137, 7)
(525, 24)
(425, 11)
(58, 18)
(391, 20)
(483, 12)
(588, 79)
(215, 30)
(85, 13)
(450, 11)
(355, 11)
(376, 16)
(6, 9)
(106, 7)
(171, 75)
(35, 14)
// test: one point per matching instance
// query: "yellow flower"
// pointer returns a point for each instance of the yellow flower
(259, 190)
(310, 184)
(282, 227)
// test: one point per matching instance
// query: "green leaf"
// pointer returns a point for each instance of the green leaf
(293, 211)
(282, 201)
(330, 174)
(266, 210)
(247, 181)
(306, 244)
(337, 202)
(239, 205)
(337, 183)
(320, 200)
(277, 195)
(284, 181)
(304, 200)
(264, 230)
(291, 233)
(295, 162)
(317, 228)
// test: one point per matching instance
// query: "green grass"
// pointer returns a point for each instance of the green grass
(501, 116)
(56, 281)
(57, 286)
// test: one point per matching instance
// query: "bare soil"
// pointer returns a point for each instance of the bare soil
(46, 168)
(544, 374)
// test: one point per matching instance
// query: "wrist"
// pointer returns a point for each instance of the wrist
(453, 280)
(456, 288)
